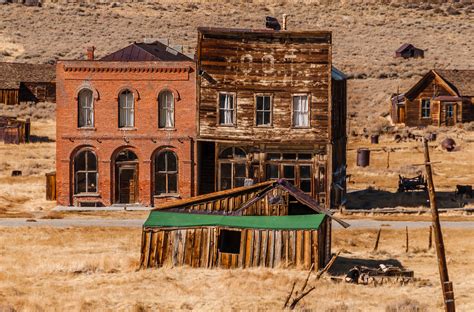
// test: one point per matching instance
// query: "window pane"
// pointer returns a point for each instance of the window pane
(91, 161)
(161, 162)
(272, 172)
(92, 182)
(305, 186)
(289, 172)
(226, 170)
(266, 118)
(160, 183)
(240, 170)
(172, 183)
(239, 182)
(289, 155)
(259, 103)
(227, 153)
(239, 153)
(305, 172)
(172, 166)
(260, 118)
(273, 156)
(304, 156)
(80, 162)
(80, 182)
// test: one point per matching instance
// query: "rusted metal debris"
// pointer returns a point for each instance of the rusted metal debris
(448, 144)
(411, 184)
(365, 275)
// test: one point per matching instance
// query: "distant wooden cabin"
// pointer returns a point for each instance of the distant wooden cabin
(27, 83)
(270, 224)
(14, 131)
(440, 98)
(407, 50)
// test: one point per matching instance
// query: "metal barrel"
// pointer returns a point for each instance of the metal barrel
(374, 139)
(363, 157)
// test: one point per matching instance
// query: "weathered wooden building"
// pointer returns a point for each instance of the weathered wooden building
(242, 227)
(408, 50)
(271, 105)
(14, 131)
(29, 83)
(440, 98)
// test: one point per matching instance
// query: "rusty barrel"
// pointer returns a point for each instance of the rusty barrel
(374, 139)
(363, 157)
(448, 144)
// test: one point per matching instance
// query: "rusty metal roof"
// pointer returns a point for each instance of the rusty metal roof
(12, 74)
(139, 51)
(460, 80)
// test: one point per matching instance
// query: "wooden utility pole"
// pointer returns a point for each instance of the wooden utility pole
(446, 285)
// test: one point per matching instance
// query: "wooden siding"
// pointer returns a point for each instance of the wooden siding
(248, 64)
(198, 247)
(9, 96)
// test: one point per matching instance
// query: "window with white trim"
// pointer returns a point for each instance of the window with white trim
(425, 108)
(226, 108)
(166, 173)
(126, 109)
(85, 102)
(300, 111)
(85, 172)
(166, 109)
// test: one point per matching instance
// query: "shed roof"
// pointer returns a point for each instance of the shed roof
(187, 220)
(140, 51)
(460, 80)
(403, 47)
(12, 74)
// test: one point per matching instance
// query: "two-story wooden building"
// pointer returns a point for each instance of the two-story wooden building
(126, 127)
(440, 98)
(270, 105)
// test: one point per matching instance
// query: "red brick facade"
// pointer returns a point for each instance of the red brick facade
(107, 79)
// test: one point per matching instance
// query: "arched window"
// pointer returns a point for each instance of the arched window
(85, 172)
(166, 110)
(232, 168)
(126, 109)
(85, 102)
(166, 173)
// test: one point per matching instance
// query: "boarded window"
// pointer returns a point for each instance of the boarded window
(229, 241)
(85, 102)
(166, 173)
(166, 109)
(300, 111)
(263, 110)
(126, 109)
(85, 172)
(425, 108)
(226, 108)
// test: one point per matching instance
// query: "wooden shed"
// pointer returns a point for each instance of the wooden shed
(439, 98)
(27, 83)
(239, 228)
(408, 50)
(14, 131)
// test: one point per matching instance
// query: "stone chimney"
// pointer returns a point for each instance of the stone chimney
(90, 53)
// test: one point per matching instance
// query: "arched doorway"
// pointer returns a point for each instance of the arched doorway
(126, 177)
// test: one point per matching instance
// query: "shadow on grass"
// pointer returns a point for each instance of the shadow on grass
(40, 139)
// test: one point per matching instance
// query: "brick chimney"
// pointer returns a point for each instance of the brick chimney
(90, 53)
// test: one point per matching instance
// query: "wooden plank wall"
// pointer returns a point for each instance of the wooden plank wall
(257, 63)
(198, 247)
(9, 97)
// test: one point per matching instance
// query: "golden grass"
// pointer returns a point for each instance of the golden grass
(78, 269)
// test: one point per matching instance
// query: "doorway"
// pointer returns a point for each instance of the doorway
(401, 114)
(126, 181)
(449, 114)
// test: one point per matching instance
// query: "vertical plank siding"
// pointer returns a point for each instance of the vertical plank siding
(198, 247)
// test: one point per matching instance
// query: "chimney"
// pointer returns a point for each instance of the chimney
(90, 53)
(285, 19)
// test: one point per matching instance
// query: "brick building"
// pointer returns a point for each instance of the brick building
(125, 127)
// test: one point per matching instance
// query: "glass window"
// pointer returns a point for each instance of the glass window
(271, 171)
(226, 108)
(305, 178)
(166, 109)
(85, 102)
(450, 111)
(126, 109)
(425, 108)
(85, 172)
(263, 110)
(166, 173)
(300, 111)
(233, 168)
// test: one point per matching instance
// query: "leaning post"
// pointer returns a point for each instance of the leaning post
(446, 285)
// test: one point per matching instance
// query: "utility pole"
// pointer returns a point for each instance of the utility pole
(446, 285)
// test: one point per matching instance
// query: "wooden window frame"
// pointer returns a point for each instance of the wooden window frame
(173, 108)
(422, 109)
(166, 173)
(126, 109)
(86, 172)
(234, 113)
(270, 124)
(308, 95)
(80, 109)
(232, 161)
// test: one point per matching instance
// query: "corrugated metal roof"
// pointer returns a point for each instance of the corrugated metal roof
(155, 51)
(12, 74)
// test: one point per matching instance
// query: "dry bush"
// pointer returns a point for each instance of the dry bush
(406, 305)
(34, 111)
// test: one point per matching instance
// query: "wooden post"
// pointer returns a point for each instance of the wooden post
(377, 239)
(388, 159)
(446, 285)
(430, 238)
(406, 240)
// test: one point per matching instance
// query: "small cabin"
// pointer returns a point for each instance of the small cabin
(440, 98)
(408, 50)
(270, 224)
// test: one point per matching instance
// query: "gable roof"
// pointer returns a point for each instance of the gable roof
(139, 51)
(12, 74)
(460, 82)
(403, 47)
(262, 190)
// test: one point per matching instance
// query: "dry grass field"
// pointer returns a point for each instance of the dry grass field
(94, 269)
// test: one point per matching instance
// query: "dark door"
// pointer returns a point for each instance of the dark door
(401, 114)
(127, 185)
(450, 113)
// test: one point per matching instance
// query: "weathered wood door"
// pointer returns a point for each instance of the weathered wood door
(401, 114)
(127, 184)
(450, 114)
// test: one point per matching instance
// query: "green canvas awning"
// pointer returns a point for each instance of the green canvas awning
(187, 220)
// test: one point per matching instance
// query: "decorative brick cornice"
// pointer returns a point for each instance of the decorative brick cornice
(134, 69)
